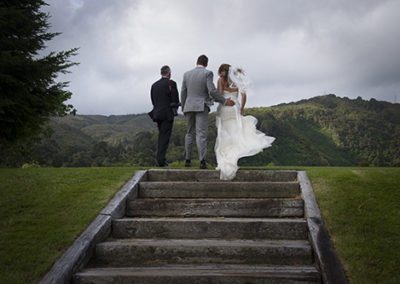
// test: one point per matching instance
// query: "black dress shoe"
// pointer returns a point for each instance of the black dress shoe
(203, 165)
(188, 163)
(165, 164)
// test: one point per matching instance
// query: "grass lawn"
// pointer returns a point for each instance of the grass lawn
(42, 210)
(361, 207)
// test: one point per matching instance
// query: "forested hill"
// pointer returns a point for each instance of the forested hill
(329, 130)
(324, 130)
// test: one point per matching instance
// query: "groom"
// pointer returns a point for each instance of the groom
(197, 92)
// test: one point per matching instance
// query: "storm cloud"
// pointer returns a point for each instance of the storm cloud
(290, 49)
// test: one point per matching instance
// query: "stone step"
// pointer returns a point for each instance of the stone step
(133, 252)
(210, 228)
(165, 207)
(200, 274)
(218, 189)
(209, 175)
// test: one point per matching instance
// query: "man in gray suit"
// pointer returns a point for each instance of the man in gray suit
(197, 94)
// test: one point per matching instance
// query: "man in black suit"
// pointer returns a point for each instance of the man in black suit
(165, 99)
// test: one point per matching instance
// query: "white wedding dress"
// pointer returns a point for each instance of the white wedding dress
(237, 137)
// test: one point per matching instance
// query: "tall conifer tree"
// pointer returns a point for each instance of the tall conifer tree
(29, 91)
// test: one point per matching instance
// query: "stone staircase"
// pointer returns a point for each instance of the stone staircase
(189, 227)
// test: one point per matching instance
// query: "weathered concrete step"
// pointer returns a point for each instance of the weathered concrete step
(165, 207)
(133, 252)
(208, 175)
(200, 274)
(218, 189)
(210, 228)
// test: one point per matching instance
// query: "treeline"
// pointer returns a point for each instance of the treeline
(322, 131)
(368, 130)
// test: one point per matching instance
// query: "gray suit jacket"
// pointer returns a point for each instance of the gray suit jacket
(197, 87)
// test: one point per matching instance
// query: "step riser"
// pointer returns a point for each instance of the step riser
(217, 190)
(221, 208)
(125, 279)
(131, 255)
(188, 226)
(209, 229)
(209, 175)
(224, 274)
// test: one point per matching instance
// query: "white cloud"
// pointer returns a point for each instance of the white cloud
(291, 49)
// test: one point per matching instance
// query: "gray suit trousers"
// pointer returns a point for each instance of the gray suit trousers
(197, 127)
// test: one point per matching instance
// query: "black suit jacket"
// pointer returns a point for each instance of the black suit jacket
(164, 96)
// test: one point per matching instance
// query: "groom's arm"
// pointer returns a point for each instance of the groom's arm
(183, 92)
(215, 94)
(212, 90)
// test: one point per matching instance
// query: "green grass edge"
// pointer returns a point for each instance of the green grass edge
(43, 210)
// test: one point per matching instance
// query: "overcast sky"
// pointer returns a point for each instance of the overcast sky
(290, 49)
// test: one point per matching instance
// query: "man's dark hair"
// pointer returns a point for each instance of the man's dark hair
(165, 70)
(202, 60)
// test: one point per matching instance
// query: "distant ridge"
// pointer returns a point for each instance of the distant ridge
(325, 130)
(111, 129)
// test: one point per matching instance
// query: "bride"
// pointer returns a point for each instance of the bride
(237, 135)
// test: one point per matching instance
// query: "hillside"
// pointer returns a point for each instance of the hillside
(113, 129)
(324, 130)
(367, 132)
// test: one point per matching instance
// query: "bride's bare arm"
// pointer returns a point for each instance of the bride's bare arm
(244, 99)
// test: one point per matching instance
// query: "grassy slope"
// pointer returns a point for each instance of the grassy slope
(362, 211)
(43, 210)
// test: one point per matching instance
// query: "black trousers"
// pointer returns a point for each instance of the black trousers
(164, 134)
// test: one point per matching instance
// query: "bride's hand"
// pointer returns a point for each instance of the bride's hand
(242, 111)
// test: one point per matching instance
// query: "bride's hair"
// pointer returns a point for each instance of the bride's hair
(224, 67)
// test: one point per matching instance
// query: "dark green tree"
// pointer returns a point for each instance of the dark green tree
(29, 91)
